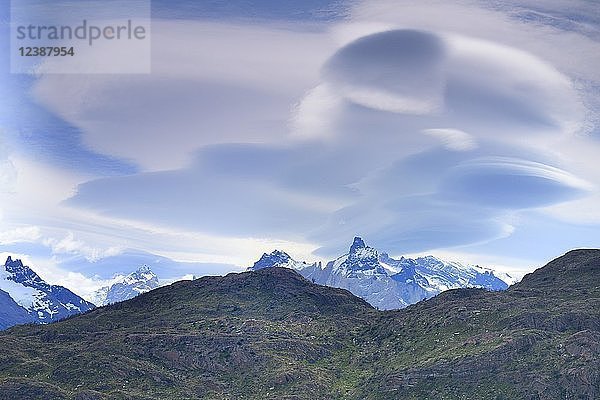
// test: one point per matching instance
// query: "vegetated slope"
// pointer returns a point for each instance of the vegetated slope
(273, 334)
(538, 340)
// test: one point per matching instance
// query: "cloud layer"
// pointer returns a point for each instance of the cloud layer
(420, 125)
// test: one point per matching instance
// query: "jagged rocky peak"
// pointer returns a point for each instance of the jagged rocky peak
(361, 256)
(278, 258)
(17, 270)
(359, 248)
(13, 264)
(21, 273)
(273, 259)
(126, 287)
(143, 273)
(144, 268)
(357, 244)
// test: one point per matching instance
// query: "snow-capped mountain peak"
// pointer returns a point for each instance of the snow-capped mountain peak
(357, 244)
(361, 253)
(21, 273)
(143, 275)
(125, 287)
(360, 258)
(274, 259)
(43, 302)
(278, 258)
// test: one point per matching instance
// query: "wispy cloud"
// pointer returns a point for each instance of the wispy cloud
(70, 245)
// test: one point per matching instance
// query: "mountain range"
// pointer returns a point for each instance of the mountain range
(272, 334)
(388, 283)
(385, 282)
(27, 298)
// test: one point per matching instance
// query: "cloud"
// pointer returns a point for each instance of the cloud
(453, 139)
(401, 224)
(8, 176)
(510, 183)
(397, 70)
(581, 212)
(210, 83)
(8, 172)
(578, 17)
(70, 245)
(445, 79)
(421, 125)
(526, 95)
(239, 192)
(21, 234)
(314, 116)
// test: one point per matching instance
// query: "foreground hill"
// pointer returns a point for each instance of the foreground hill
(273, 334)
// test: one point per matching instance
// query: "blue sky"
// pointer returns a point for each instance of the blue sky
(468, 130)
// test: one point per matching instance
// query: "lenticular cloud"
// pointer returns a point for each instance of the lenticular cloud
(510, 183)
(463, 83)
(398, 71)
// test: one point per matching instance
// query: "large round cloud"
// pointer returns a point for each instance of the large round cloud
(450, 82)
(399, 71)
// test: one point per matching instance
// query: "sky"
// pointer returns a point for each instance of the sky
(467, 129)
